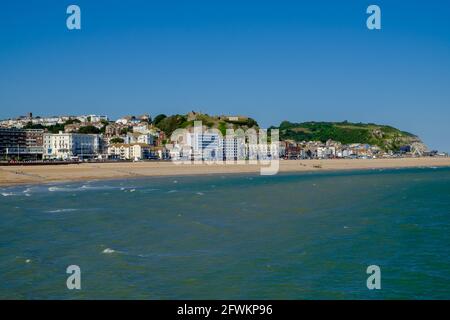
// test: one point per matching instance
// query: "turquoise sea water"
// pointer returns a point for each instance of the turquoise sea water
(290, 236)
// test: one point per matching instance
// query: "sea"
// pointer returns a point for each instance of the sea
(288, 236)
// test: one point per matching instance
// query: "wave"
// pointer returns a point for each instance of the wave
(60, 189)
(81, 188)
(173, 254)
(15, 194)
(149, 190)
(128, 189)
(61, 210)
(10, 194)
(88, 187)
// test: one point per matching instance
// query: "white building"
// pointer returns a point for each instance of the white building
(344, 153)
(261, 151)
(326, 152)
(128, 120)
(66, 146)
(146, 128)
(211, 146)
(206, 146)
(125, 151)
(135, 137)
(92, 118)
(234, 148)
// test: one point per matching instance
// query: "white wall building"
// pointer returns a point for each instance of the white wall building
(128, 120)
(122, 121)
(66, 146)
(134, 137)
(234, 148)
(259, 151)
(92, 118)
(145, 128)
(206, 146)
(124, 151)
(326, 152)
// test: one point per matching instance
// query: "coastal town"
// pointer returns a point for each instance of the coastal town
(35, 139)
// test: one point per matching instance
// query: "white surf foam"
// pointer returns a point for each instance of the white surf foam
(81, 188)
(61, 210)
(149, 190)
(9, 194)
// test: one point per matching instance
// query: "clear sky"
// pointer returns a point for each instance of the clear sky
(272, 60)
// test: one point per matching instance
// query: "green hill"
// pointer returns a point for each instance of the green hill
(170, 123)
(386, 137)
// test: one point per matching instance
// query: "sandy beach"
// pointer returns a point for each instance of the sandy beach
(15, 175)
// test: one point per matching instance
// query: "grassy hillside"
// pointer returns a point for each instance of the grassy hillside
(170, 123)
(386, 137)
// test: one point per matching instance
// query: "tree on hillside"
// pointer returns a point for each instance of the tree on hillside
(116, 140)
(158, 119)
(30, 125)
(124, 131)
(169, 124)
(72, 121)
(89, 130)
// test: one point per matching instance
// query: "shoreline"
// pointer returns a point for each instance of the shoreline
(43, 174)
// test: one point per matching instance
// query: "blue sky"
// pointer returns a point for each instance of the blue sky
(271, 60)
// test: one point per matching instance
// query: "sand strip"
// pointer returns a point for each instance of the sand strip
(16, 175)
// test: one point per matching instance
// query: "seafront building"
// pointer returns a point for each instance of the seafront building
(207, 146)
(12, 139)
(290, 149)
(234, 148)
(20, 144)
(326, 152)
(34, 143)
(212, 146)
(71, 146)
(133, 151)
